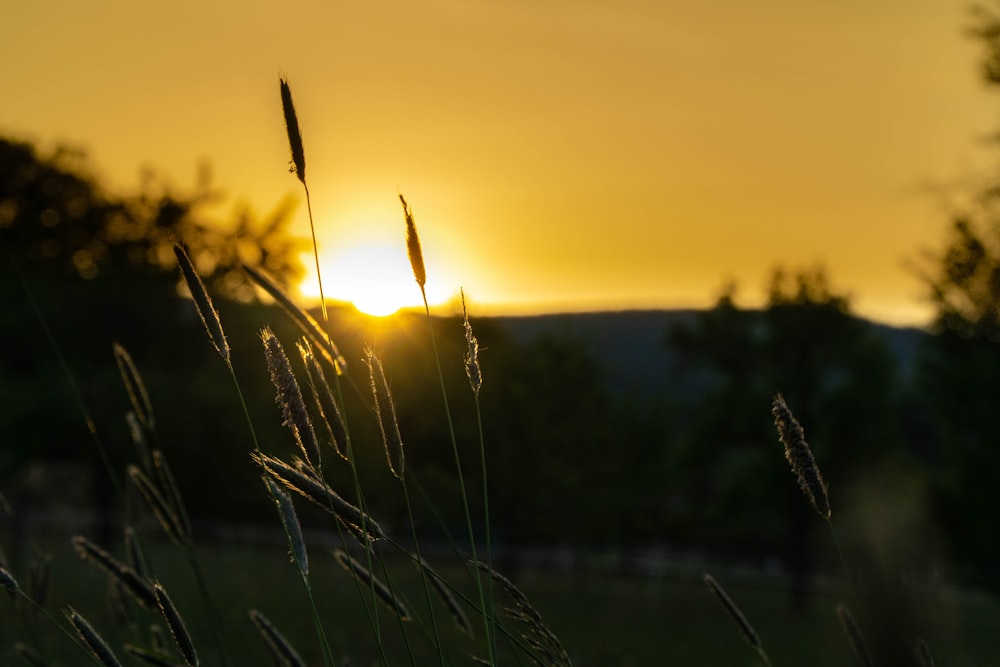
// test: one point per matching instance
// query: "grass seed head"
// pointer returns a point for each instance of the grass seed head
(135, 387)
(308, 485)
(540, 637)
(8, 581)
(441, 588)
(294, 135)
(29, 655)
(171, 492)
(149, 658)
(282, 651)
(158, 638)
(382, 592)
(413, 250)
(306, 322)
(854, 635)
(98, 647)
(165, 514)
(800, 456)
(138, 435)
(386, 411)
(289, 397)
(203, 303)
(133, 552)
(472, 369)
(126, 577)
(735, 613)
(290, 521)
(326, 404)
(922, 651)
(177, 626)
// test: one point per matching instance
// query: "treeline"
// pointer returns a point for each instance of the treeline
(689, 459)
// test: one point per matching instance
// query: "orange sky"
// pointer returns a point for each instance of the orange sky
(557, 154)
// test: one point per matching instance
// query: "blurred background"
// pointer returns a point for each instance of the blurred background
(661, 215)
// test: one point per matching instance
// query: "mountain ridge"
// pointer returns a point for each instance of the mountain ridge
(631, 345)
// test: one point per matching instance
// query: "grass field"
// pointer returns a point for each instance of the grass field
(603, 617)
(602, 612)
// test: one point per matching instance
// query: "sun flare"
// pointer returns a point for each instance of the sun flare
(376, 278)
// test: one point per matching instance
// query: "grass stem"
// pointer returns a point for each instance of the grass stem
(458, 466)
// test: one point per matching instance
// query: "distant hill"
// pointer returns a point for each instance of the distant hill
(630, 345)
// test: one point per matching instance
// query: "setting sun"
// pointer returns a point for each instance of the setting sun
(559, 156)
(376, 278)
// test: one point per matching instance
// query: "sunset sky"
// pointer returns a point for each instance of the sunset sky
(557, 155)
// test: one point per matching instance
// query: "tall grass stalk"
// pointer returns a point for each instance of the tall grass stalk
(474, 372)
(395, 456)
(855, 636)
(9, 583)
(281, 649)
(420, 275)
(299, 169)
(92, 431)
(176, 625)
(736, 614)
(213, 325)
(297, 547)
(540, 638)
(96, 646)
(470, 566)
(800, 456)
(335, 420)
(298, 164)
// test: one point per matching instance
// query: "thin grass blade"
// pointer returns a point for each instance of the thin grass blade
(134, 584)
(134, 386)
(306, 323)
(98, 647)
(382, 591)
(182, 638)
(289, 397)
(386, 412)
(736, 614)
(309, 486)
(854, 635)
(161, 509)
(171, 492)
(203, 303)
(286, 510)
(282, 651)
(150, 658)
(326, 404)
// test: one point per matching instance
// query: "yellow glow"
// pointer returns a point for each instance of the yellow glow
(375, 277)
(558, 156)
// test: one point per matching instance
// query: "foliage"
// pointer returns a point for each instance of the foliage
(55, 219)
(100, 268)
(952, 406)
(840, 378)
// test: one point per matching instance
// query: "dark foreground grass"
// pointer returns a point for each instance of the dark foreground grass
(602, 617)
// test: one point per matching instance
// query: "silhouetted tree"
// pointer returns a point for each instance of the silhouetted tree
(556, 458)
(957, 385)
(56, 219)
(837, 375)
(99, 267)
